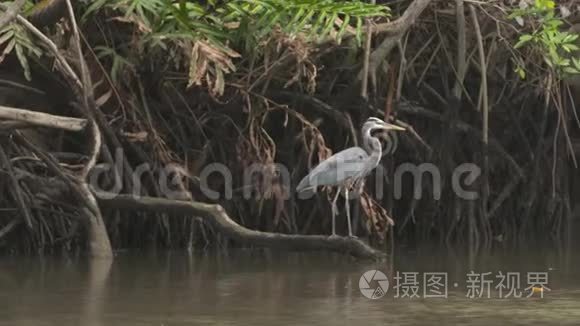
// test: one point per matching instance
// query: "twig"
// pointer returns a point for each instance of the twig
(88, 98)
(428, 64)
(365, 71)
(381, 52)
(391, 92)
(402, 67)
(572, 102)
(559, 107)
(26, 88)
(9, 227)
(368, 42)
(420, 51)
(18, 195)
(68, 71)
(555, 154)
(42, 119)
(461, 49)
(395, 31)
(485, 108)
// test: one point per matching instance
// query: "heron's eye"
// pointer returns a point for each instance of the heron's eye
(360, 157)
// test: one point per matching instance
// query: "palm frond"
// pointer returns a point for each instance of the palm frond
(204, 35)
(316, 19)
(16, 38)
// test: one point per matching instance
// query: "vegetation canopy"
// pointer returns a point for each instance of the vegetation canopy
(133, 83)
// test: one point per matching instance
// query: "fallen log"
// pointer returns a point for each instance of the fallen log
(213, 214)
(42, 119)
(217, 216)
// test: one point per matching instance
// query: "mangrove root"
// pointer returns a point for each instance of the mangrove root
(217, 216)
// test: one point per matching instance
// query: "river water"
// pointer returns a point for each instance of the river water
(257, 287)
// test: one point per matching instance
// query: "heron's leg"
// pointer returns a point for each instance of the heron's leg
(347, 207)
(334, 211)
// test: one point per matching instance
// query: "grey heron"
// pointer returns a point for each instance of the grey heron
(348, 168)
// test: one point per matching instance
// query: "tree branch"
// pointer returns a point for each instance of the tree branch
(42, 119)
(400, 25)
(461, 49)
(217, 216)
(394, 31)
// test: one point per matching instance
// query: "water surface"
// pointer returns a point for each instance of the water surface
(255, 287)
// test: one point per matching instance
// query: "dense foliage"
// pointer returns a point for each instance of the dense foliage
(279, 81)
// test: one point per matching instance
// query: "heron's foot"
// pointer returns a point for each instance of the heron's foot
(333, 236)
(352, 236)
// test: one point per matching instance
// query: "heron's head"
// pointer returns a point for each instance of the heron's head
(373, 126)
(376, 134)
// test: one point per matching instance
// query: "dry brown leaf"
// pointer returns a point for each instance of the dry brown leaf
(210, 63)
(135, 137)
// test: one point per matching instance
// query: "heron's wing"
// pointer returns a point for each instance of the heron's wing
(336, 169)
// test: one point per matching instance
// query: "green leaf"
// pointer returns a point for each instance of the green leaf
(304, 20)
(571, 70)
(576, 63)
(299, 14)
(6, 36)
(359, 31)
(521, 72)
(329, 26)
(93, 7)
(342, 28)
(570, 47)
(554, 23)
(23, 61)
(9, 47)
(566, 48)
(568, 38)
(318, 24)
(523, 40)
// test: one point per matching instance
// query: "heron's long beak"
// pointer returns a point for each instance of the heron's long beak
(389, 126)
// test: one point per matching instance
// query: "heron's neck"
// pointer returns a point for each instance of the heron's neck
(375, 150)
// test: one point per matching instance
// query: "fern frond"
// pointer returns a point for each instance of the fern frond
(213, 29)
(17, 39)
(317, 19)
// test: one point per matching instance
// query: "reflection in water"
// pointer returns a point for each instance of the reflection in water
(265, 288)
(99, 269)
